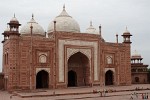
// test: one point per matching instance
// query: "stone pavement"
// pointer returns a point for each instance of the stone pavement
(83, 90)
(78, 93)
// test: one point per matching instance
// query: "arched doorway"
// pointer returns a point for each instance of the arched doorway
(137, 79)
(42, 79)
(109, 78)
(79, 70)
(72, 79)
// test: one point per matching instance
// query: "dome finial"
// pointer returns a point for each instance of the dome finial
(63, 13)
(14, 15)
(14, 19)
(100, 30)
(32, 19)
(64, 7)
(91, 23)
(126, 28)
(117, 37)
(32, 16)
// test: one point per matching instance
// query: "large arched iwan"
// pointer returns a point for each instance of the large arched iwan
(79, 70)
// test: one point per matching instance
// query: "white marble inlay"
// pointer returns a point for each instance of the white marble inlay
(61, 44)
(40, 69)
(72, 51)
(112, 69)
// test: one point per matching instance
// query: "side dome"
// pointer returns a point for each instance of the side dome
(91, 29)
(37, 29)
(65, 23)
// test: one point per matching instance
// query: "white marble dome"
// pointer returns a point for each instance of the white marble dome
(65, 23)
(91, 29)
(37, 29)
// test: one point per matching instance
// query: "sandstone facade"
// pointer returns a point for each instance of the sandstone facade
(62, 58)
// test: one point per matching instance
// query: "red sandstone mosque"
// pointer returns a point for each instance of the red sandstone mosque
(63, 57)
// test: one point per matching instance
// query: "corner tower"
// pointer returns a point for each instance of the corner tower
(127, 49)
(11, 54)
(126, 37)
(13, 29)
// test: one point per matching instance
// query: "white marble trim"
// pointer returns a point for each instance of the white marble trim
(62, 43)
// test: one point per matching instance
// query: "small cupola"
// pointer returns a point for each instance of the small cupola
(136, 57)
(91, 29)
(6, 34)
(126, 36)
(12, 29)
(14, 25)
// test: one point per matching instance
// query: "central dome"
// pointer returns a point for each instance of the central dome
(65, 23)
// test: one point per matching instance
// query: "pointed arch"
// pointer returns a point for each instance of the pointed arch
(42, 79)
(109, 60)
(79, 63)
(109, 78)
(86, 52)
(42, 58)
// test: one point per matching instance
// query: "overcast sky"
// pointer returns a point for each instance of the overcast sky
(113, 15)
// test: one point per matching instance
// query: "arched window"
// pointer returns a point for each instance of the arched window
(42, 58)
(109, 60)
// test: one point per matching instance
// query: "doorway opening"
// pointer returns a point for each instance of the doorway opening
(78, 70)
(109, 78)
(72, 79)
(42, 79)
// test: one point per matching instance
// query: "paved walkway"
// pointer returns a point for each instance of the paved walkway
(77, 93)
(112, 90)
